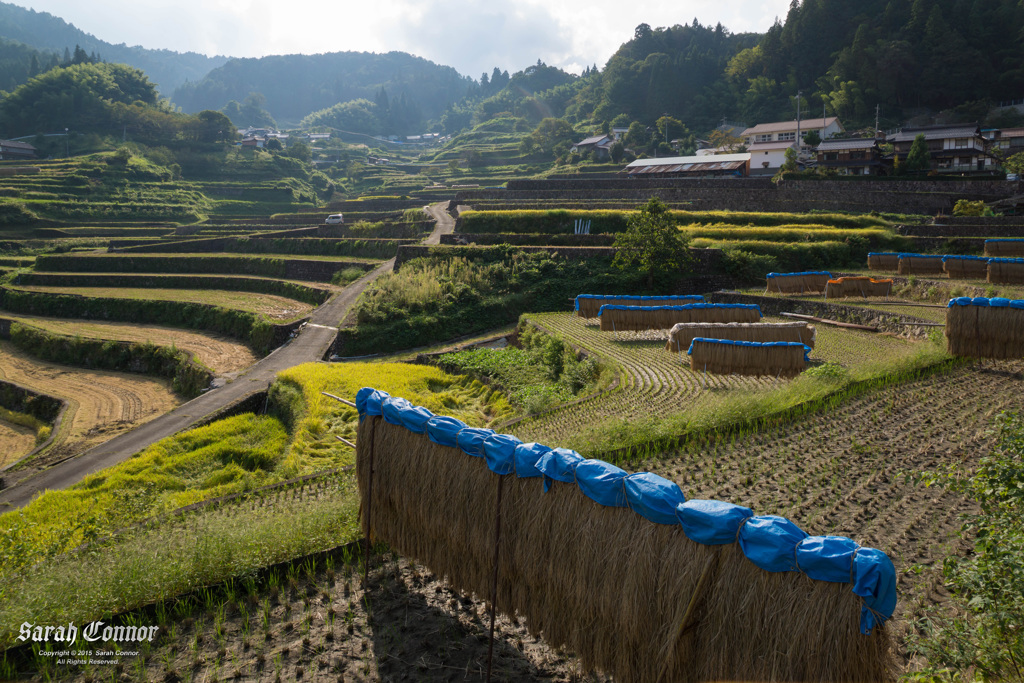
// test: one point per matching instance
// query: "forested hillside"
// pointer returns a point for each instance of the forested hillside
(43, 31)
(908, 56)
(297, 85)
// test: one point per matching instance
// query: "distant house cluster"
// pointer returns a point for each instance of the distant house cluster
(953, 149)
(13, 150)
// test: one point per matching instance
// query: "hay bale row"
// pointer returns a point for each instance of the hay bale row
(588, 305)
(726, 357)
(1005, 271)
(985, 328)
(681, 335)
(843, 287)
(965, 267)
(883, 261)
(806, 282)
(919, 264)
(1007, 248)
(641, 318)
(619, 568)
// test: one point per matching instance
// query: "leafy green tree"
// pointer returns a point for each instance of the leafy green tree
(918, 159)
(301, 151)
(550, 136)
(1015, 163)
(617, 151)
(213, 126)
(813, 138)
(653, 246)
(273, 145)
(670, 127)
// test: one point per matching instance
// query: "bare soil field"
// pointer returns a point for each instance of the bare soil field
(15, 442)
(101, 404)
(272, 307)
(221, 354)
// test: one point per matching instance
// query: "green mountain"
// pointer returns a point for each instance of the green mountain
(297, 85)
(45, 32)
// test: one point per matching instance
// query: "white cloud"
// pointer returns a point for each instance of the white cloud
(471, 35)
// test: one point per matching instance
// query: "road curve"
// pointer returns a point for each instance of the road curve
(310, 344)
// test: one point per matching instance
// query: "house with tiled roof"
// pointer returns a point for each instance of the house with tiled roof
(954, 148)
(599, 144)
(15, 149)
(851, 156)
(768, 142)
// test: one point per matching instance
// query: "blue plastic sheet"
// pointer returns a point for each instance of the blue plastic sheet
(827, 558)
(368, 402)
(736, 342)
(1006, 260)
(615, 297)
(875, 581)
(602, 482)
(558, 464)
(711, 522)
(1007, 239)
(965, 258)
(471, 440)
(998, 302)
(415, 419)
(883, 253)
(500, 453)
(526, 457)
(653, 497)
(443, 430)
(392, 408)
(909, 255)
(770, 542)
(803, 272)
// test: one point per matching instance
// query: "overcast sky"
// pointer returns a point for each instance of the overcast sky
(471, 35)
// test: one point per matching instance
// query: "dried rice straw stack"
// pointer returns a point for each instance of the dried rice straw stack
(621, 568)
(727, 357)
(1006, 271)
(639, 318)
(1005, 248)
(883, 261)
(682, 334)
(919, 264)
(806, 282)
(588, 305)
(985, 328)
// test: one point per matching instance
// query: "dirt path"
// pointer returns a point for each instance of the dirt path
(221, 354)
(101, 404)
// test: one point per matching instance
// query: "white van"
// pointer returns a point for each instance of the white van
(334, 219)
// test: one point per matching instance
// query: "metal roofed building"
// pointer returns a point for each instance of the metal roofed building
(711, 165)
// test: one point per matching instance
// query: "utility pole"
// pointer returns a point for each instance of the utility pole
(67, 144)
(799, 94)
(876, 119)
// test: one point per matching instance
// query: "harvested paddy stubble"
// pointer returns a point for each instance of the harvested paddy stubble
(637, 599)
(101, 404)
(15, 442)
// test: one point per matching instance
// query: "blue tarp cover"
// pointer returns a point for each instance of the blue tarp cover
(952, 257)
(602, 482)
(998, 302)
(415, 419)
(526, 456)
(883, 253)
(827, 558)
(875, 581)
(736, 342)
(909, 255)
(392, 408)
(500, 453)
(559, 464)
(711, 522)
(471, 440)
(443, 430)
(653, 497)
(685, 307)
(770, 542)
(368, 401)
(613, 297)
(803, 272)
(1006, 260)
(1015, 239)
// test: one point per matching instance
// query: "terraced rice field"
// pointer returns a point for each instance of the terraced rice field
(654, 382)
(221, 354)
(15, 442)
(850, 471)
(272, 307)
(101, 404)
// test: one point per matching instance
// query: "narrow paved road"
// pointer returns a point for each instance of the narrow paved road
(310, 344)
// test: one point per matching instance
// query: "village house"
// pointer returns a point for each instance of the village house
(957, 148)
(14, 149)
(1007, 142)
(768, 142)
(851, 156)
(600, 145)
